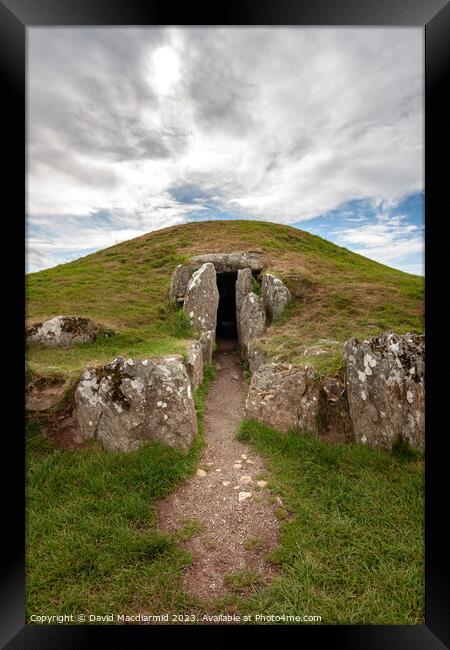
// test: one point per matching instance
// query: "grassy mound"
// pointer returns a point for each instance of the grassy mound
(337, 293)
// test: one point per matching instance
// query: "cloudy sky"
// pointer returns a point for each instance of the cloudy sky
(135, 129)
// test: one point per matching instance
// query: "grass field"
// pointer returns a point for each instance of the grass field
(352, 548)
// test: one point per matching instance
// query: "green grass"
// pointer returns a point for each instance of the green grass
(337, 293)
(92, 541)
(352, 548)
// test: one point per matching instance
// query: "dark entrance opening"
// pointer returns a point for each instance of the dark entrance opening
(226, 311)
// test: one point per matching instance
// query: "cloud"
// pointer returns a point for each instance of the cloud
(154, 126)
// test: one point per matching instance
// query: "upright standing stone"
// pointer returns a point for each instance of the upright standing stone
(252, 321)
(275, 296)
(202, 299)
(385, 389)
(207, 340)
(243, 287)
(179, 283)
(194, 363)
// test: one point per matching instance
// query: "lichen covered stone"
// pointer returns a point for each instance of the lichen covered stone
(178, 283)
(284, 397)
(386, 389)
(252, 321)
(129, 402)
(202, 299)
(207, 341)
(226, 262)
(275, 296)
(194, 363)
(243, 287)
(64, 331)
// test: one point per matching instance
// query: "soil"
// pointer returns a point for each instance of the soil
(224, 525)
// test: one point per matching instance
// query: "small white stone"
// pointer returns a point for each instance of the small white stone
(250, 462)
(226, 483)
(237, 466)
(219, 469)
(261, 484)
(409, 397)
(145, 362)
(201, 473)
(244, 456)
(245, 479)
(244, 495)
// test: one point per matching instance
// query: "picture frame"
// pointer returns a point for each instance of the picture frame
(16, 16)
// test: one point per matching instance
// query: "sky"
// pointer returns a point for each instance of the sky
(134, 129)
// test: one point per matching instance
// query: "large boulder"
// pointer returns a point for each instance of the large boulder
(207, 341)
(202, 299)
(385, 389)
(130, 402)
(243, 287)
(225, 262)
(178, 284)
(252, 321)
(284, 397)
(194, 363)
(64, 331)
(275, 296)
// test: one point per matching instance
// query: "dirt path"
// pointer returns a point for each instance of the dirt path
(233, 514)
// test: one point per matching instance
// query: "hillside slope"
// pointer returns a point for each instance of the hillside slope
(337, 294)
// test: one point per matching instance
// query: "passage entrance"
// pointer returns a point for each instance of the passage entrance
(226, 311)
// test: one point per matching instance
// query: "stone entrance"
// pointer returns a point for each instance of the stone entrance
(226, 311)
(217, 293)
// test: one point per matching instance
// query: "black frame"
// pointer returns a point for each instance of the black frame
(434, 15)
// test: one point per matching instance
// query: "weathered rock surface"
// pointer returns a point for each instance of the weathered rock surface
(207, 340)
(179, 283)
(202, 299)
(224, 262)
(256, 357)
(284, 397)
(194, 363)
(333, 388)
(243, 287)
(252, 321)
(130, 402)
(385, 389)
(64, 331)
(275, 296)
